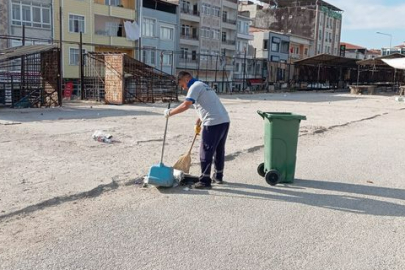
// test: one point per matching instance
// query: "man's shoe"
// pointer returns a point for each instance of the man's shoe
(202, 185)
(217, 181)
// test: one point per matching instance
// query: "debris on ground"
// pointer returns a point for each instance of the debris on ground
(102, 136)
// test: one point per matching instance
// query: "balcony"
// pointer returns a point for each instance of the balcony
(229, 24)
(245, 36)
(229, 44)
(114, 11)
(189, 40)
(190, 15)
(188, 62)
(231, 4)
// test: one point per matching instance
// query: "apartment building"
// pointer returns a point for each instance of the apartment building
(34, 15)
(159, 22)
(207, 37)
(5, 23)
(275, 48)
(300, 48)
(101, 24)
(315, 21)
(243, 61)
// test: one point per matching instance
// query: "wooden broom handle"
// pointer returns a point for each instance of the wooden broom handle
(192, 144)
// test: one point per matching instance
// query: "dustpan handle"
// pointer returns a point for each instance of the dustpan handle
(164, 137)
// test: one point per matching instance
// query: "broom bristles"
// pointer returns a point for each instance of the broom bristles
(183, 164)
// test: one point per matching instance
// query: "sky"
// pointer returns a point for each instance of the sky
(363, 18)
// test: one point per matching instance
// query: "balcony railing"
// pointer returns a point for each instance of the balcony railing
(118, 4)
(190, 12)
(226, 20)
(192, 37)
(233, 1)
(229, 42)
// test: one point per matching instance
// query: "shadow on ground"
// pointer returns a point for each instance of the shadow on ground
(67, 113)
(354, 200)
(303, 97)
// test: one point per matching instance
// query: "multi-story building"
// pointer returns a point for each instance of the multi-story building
(396, 49)
(4, 23)
(354, 51)
(300, 48)
(275, 48)
(244, 62)
(160, 34)
(207, 38)
(33, 15)
(101, 24)
(314, 20)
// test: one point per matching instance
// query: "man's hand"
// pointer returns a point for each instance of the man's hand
(197, 129)
(166, 113)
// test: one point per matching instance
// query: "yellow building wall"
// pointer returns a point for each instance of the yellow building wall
(88, 8)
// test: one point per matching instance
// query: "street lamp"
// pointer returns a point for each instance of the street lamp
(389, 35)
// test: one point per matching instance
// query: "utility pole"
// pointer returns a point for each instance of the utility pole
(244, 71)
(22, 77)
(60, 55)
(82, 96)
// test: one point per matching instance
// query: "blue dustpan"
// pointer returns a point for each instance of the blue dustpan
(161, 175)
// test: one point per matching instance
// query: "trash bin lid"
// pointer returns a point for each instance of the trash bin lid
(281, 115)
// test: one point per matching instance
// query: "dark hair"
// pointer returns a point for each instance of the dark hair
(183, 74)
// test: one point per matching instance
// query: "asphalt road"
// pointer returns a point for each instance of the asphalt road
(346, 210)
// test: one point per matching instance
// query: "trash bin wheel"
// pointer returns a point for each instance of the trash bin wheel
(260, 170)
(272, 177)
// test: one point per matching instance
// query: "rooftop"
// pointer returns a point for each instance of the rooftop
(350, 46)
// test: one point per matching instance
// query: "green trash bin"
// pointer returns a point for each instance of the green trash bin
(280, 146)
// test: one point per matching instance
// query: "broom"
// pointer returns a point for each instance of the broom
(184, 162)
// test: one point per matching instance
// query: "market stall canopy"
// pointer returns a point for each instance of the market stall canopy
(378, 61)
(328, 60)
(397, 63)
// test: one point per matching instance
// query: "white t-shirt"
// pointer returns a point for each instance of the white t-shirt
(210, 109)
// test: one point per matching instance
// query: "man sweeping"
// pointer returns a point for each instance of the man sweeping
(215, 121)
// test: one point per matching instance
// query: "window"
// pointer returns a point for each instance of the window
(112, 2)
(149, 56)
(148, 27)
(216, 34)
(206, 9)
(112, 28)
(167, 59)
(297, 50)
(186, 30)
(306, 51)
(184, 53)
(26, 15)
(284, 47)
(216, 11)
(76, 23)
(74, 56)
(206, 33)
(225, 16)
(185, 6)
(34, 15)
(166, 33)
(245, 28)
(204, 54)
(320, 34)
(265, 44)
(238, 67)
